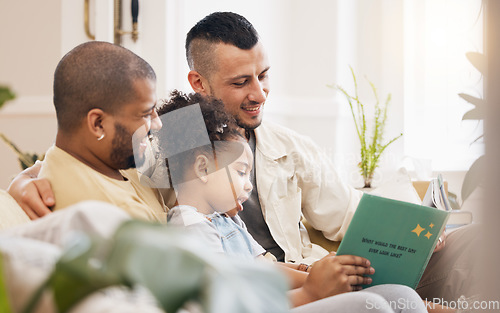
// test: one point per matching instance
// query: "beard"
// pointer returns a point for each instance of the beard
(243, 121)
(122, 153)
(248, 126)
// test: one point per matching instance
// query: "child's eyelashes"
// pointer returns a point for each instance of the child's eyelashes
(244, 173)
(242, 169)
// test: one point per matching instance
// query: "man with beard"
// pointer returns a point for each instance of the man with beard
(291, 177)
(105, 98)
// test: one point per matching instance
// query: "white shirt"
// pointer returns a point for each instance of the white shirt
(295, 178)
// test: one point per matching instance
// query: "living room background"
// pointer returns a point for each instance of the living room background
(310, 44)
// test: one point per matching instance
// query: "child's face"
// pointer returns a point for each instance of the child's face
(227, 196)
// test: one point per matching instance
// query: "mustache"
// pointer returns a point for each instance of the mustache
(251, 103)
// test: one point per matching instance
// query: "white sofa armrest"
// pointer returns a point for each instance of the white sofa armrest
(11, 213)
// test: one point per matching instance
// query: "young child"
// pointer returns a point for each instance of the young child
(210, 174)
(209, 163)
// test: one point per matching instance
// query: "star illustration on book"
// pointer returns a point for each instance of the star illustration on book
(418, 230)
(431, 225)
(428, 235)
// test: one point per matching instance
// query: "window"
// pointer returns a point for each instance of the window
(437, 36)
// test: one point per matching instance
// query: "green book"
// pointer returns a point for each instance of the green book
(397, 237)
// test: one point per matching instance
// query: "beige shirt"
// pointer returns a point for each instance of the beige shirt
(295, 179)
(73, 181)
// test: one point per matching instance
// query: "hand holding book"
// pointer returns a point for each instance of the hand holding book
(334, 275)
(397, 237)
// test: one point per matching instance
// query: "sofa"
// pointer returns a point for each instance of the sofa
(11, 213)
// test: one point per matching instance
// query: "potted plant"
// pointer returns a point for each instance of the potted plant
(371, 147)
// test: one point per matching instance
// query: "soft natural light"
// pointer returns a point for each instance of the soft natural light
(438, 34)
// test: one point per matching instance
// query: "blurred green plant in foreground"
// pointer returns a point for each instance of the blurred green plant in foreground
(174, 267)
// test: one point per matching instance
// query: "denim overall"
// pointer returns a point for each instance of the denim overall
(234, 238)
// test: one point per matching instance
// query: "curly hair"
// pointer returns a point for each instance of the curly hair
(180, 137)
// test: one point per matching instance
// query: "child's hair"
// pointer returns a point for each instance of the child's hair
(181, 134)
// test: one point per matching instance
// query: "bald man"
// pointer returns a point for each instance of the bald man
(105, 99)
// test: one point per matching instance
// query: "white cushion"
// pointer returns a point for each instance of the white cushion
(11, 213)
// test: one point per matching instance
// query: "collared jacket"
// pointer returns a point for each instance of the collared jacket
(294, 179)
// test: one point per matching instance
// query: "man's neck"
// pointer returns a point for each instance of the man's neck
(77, 149)
(243, 132)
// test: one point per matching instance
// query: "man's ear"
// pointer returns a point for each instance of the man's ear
(95, 123)
(201, 168)
(198, 83)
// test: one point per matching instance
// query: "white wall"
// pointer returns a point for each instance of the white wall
(30, 33)
(310, 44)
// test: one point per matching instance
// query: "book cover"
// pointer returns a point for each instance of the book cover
(397, 237)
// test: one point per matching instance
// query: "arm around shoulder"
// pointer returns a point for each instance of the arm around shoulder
(34, 195)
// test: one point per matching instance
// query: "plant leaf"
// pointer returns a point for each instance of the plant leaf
(478, 60)
(5, 95)
(478, 138)
(474, 177)
(474, 114)
(189, 271)
(371, 150)
(75, 277)
(4, 301)
(25, 159)
(174, 267)
(138, 258)
(478, 102)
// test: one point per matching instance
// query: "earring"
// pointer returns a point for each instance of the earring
(100, 138)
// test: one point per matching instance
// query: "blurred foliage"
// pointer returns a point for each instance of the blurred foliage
(26, 159)
(476, 173)
(5, 95)
(4, 301)
(175, 268)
